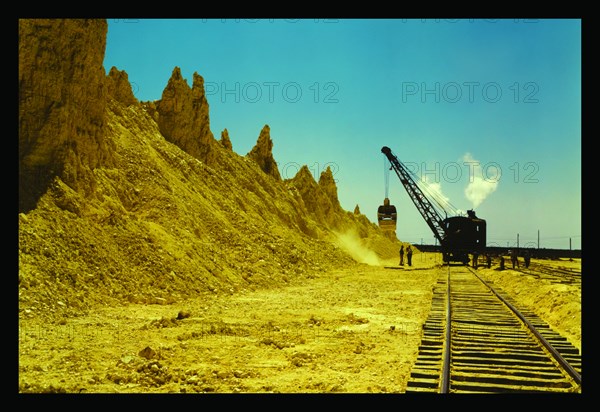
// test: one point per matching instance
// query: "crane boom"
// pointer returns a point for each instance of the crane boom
(424, 206)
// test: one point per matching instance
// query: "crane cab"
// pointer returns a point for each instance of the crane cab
(464, 235)
(387, 216)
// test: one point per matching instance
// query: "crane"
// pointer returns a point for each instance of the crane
(457, 235)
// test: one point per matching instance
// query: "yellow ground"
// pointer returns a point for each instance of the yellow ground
(353, 330)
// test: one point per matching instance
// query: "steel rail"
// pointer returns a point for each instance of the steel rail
(557, 356)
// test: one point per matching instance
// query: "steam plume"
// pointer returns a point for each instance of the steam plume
(480, 185)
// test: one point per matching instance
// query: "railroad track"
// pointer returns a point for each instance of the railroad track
(560, 274)
(488, 346)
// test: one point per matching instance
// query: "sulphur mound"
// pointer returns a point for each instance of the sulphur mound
(126, 201)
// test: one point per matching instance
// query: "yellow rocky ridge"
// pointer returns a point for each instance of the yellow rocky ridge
(126, 201)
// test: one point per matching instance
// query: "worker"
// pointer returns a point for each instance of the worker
(527, 258)
(409, 255)
(501, 262)
(514, 258)
(475, 258)
(488, 260)
(402, 255)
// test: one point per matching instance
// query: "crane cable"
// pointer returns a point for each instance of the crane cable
(441, 202)
(386, 175)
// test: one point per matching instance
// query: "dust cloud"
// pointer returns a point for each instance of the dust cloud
(351, 243)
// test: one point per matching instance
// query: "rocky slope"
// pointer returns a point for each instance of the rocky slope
(125, 201)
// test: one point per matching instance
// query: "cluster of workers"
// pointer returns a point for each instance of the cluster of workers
(409, 253)
(514, 258)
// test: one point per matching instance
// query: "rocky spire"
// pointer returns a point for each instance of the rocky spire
(225, 142)
(119, 88)
(183, 115)
(262, 153)
(317, 197)
(328, 186)
(304, 179)
(62, 101)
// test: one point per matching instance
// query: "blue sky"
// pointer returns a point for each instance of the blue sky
(488, 110)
